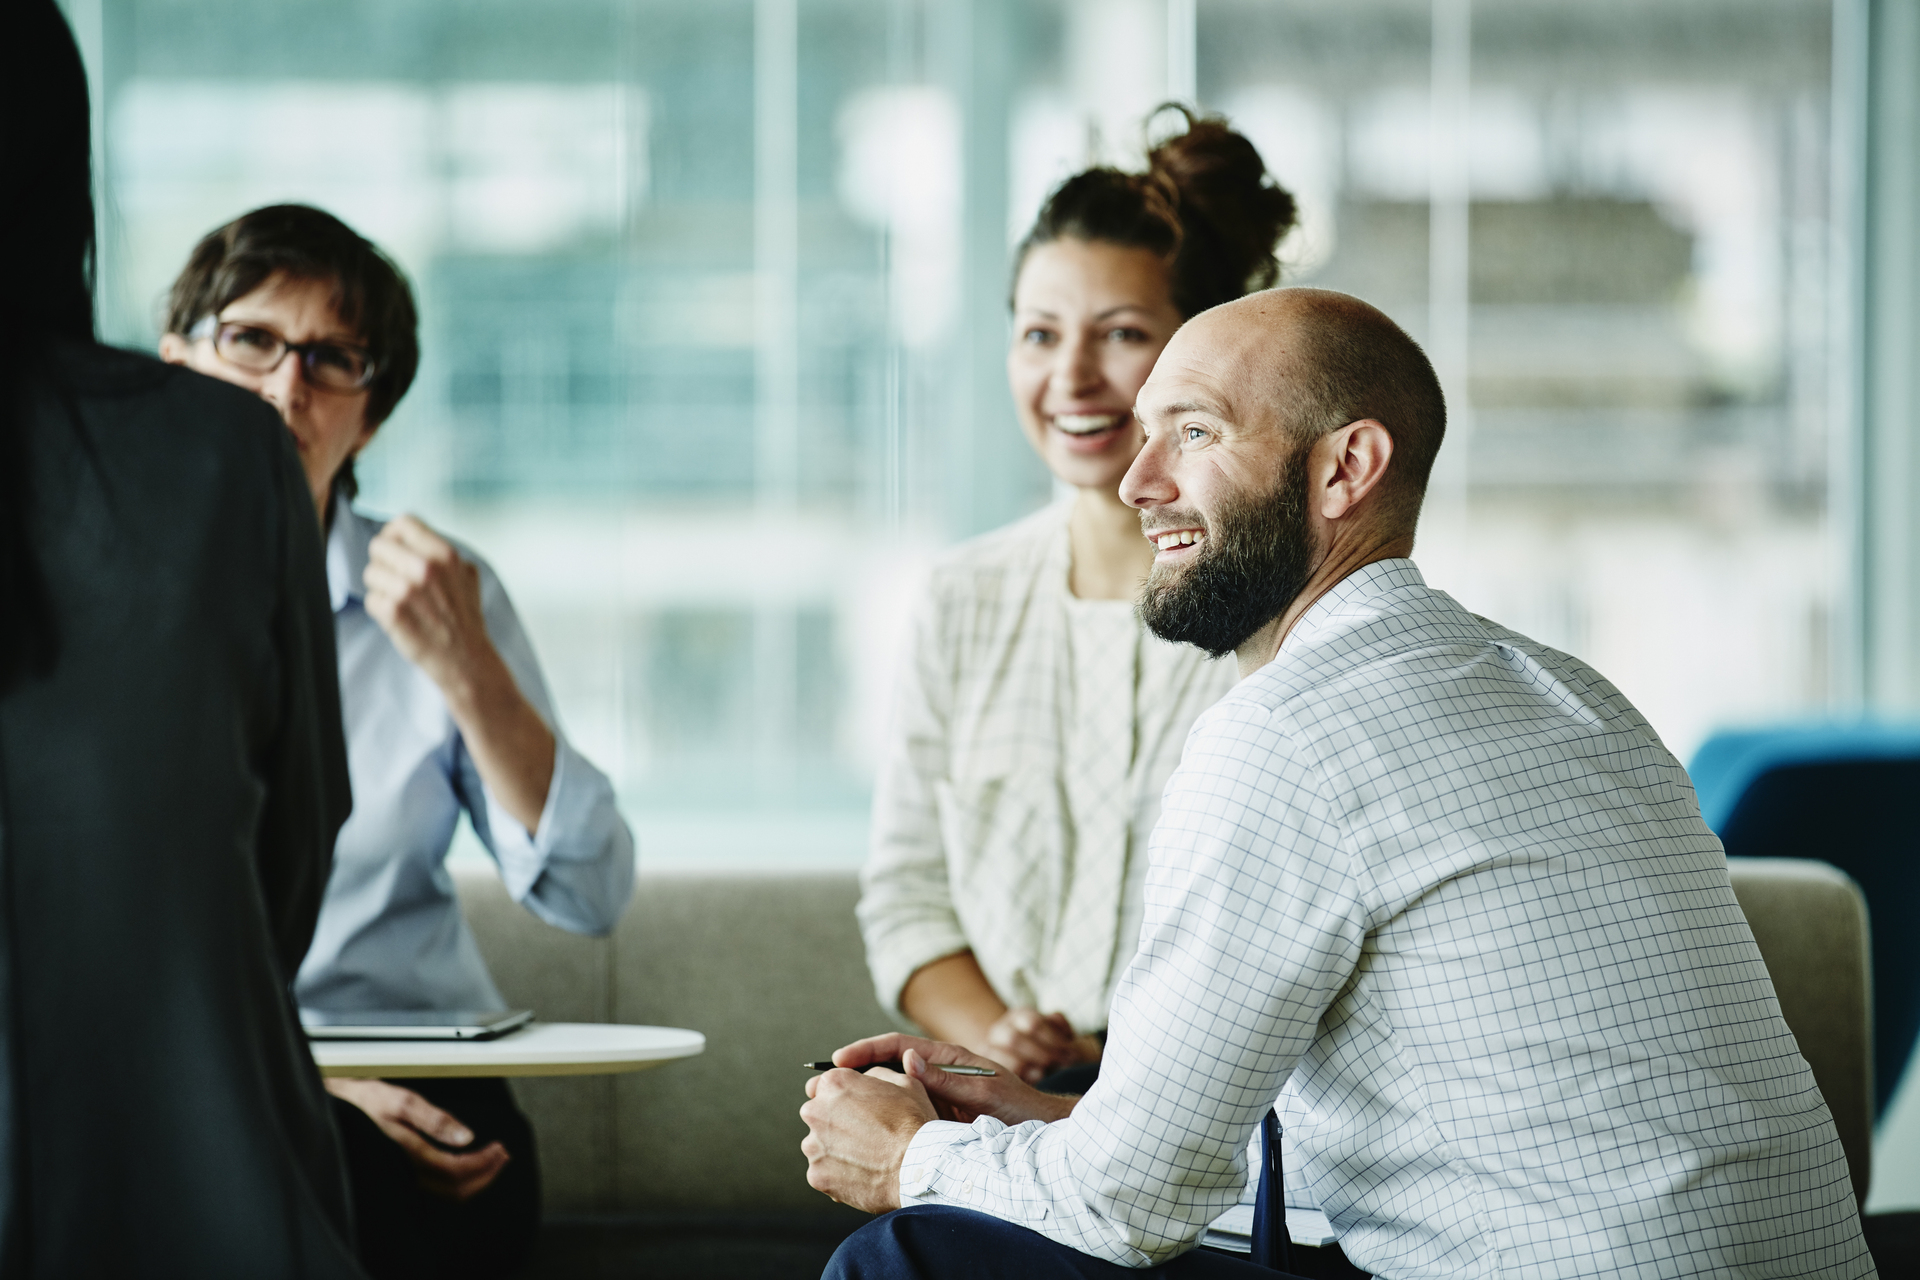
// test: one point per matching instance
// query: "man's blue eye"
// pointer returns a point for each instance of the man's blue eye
(1036, 336)
(1194, 433)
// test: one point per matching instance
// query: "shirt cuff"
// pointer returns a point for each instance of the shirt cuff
(523, 855)
(921, 1166)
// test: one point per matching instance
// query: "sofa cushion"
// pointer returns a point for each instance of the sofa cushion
(769, 967)
(1810, 921)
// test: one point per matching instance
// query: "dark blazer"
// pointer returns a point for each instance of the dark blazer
(169, 796)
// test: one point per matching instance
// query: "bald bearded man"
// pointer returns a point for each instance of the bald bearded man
(1438, 889)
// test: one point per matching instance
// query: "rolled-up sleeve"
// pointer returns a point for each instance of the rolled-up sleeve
(576, 868)
(1254, 920)
(907, 914)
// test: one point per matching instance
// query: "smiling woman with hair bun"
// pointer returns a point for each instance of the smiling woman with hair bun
(1036, 721)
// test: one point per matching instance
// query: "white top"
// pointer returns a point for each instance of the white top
(390, 934)
(1031, 736)
(1447, 887)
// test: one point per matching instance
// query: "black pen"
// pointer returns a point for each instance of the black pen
(952, 1068)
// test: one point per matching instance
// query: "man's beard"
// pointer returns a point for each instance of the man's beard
(1255, 559)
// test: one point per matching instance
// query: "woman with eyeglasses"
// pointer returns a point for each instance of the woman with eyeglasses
(1037, 721)
(446, 712)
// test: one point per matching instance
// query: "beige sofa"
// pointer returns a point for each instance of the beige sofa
(770, 968)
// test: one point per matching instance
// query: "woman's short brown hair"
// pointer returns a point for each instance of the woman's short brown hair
(303, 243)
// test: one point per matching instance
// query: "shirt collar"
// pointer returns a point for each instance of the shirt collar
(1355, 593)
(347, 554)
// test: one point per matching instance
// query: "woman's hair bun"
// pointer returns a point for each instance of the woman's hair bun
(1206, 203)
(1232, 216)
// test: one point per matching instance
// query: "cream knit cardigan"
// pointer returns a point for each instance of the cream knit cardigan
(976, 842)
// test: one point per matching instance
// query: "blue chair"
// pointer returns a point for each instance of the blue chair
(1847, 794)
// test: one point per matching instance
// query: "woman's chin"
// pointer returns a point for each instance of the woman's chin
(1088, 473)
(1095, 462)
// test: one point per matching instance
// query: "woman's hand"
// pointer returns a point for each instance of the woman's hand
(416, 1126)
(1035, 1045)
(953, 1000)
(955, 1097)
(426, 597)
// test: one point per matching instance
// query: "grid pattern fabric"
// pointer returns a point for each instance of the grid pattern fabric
(994, 828)
(1443, 893)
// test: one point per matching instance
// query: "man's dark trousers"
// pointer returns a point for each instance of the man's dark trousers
(938, 1242)
(934, 1242)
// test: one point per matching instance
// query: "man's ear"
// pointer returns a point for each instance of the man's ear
(174, 348)
(1359, 454)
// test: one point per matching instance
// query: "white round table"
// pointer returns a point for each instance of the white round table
(538, 1049)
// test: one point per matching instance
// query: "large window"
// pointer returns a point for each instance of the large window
(714, 298)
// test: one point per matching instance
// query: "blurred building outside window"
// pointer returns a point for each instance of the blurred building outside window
(714, 315)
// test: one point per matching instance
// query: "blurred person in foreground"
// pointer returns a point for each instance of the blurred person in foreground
(1036, 721)
(446, 712)
(1437, 889)
(171, 770)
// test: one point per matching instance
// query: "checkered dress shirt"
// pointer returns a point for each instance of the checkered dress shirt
(1447, 888)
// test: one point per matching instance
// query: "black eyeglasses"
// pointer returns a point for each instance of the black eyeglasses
(334, 366)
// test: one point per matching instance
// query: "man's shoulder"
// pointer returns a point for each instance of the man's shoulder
(1359, 636)
(205, 449)
(120, 384)
(1245, 717)
(1401, 654)
(1568, 680)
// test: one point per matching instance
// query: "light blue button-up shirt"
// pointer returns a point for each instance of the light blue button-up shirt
(391, 935)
